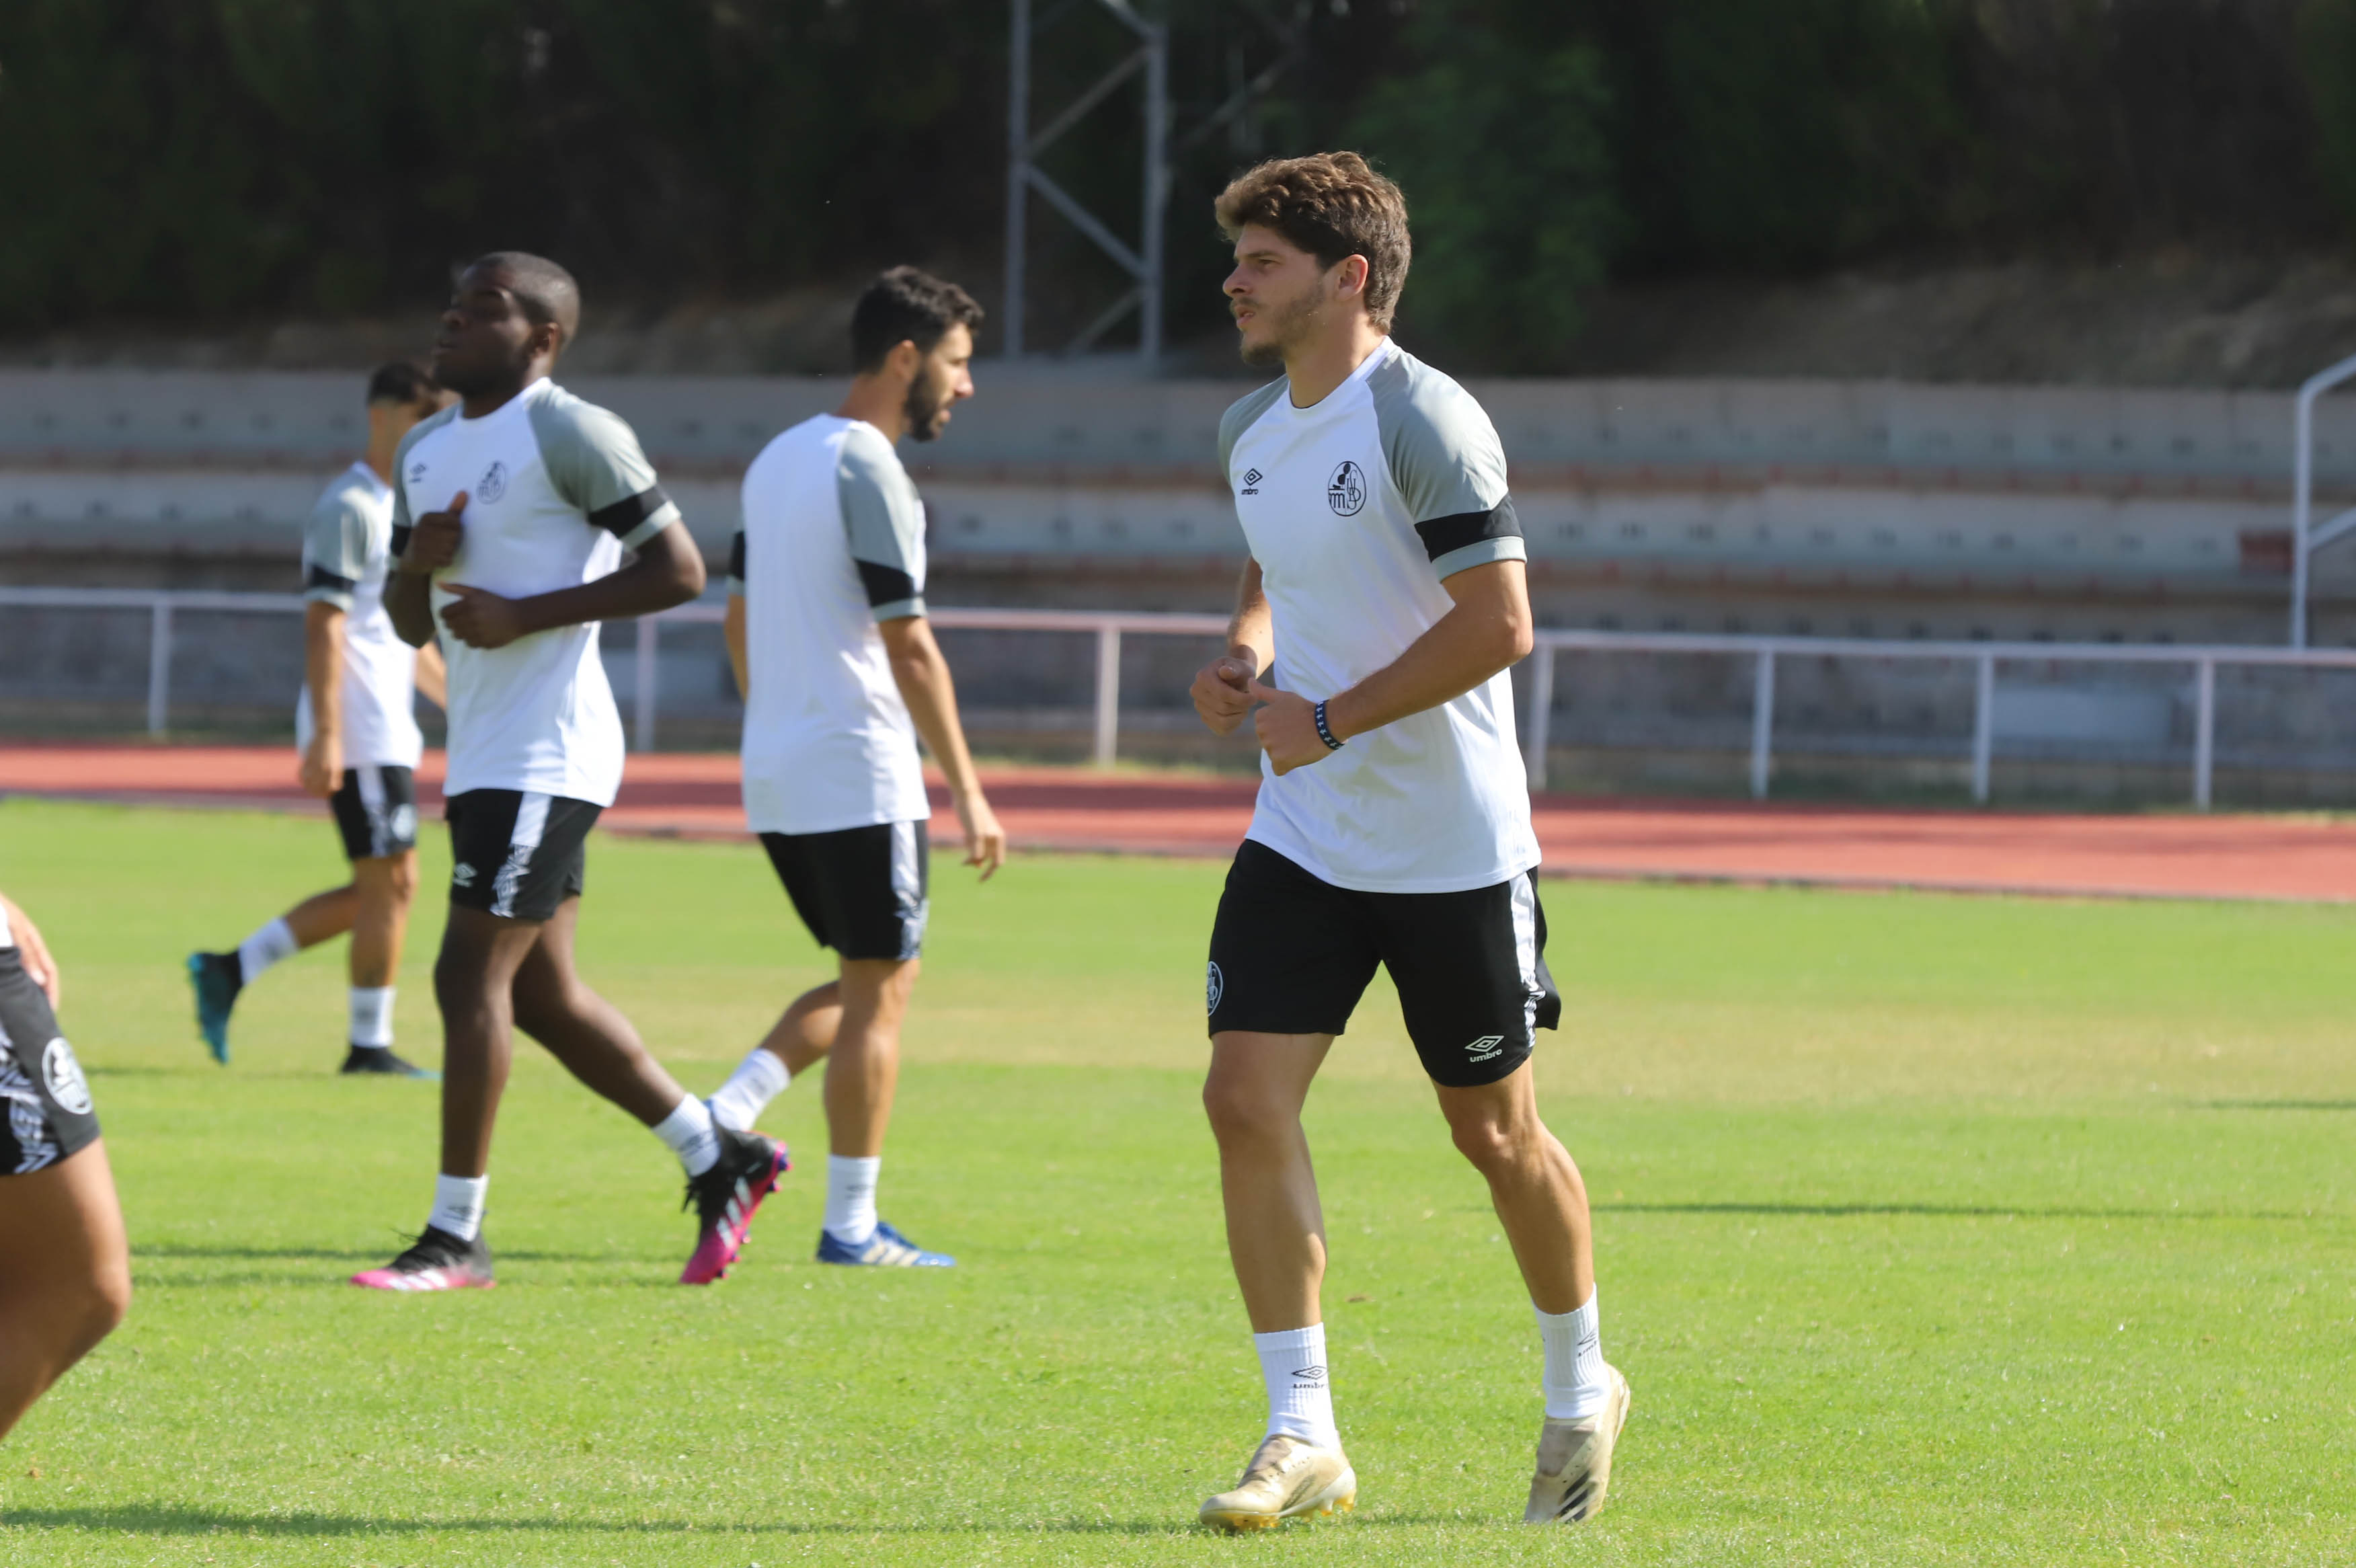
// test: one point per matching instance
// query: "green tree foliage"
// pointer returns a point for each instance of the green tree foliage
(1497, 136)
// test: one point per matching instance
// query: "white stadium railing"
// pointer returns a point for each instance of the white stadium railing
(1109, 627)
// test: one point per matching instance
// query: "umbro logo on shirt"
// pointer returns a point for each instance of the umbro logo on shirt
(1345, 492)
(1486, 1047)
(493, 483)
(1252, 478)
(416, 472)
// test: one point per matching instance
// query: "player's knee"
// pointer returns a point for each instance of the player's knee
(106, 1300)
(401, 879)
(1243, 1112)
(1490, 1143)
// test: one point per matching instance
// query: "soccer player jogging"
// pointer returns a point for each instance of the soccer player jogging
(355, 728)
(65, 1268)
(525, 499)
(1382, 605)
(841, 674)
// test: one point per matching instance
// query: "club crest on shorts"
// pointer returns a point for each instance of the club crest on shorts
(493, 483)
(1214, 987)
(1345, 492)
(404, 822)
(1487, 1048)
(63, 1074)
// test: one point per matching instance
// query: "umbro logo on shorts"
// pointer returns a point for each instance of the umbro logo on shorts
(1252, 478)
(462, 875)
(1486, 1047)
(493, 483)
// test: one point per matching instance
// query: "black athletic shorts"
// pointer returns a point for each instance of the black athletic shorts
(47, 1098)
(376, 811)
(1292, 955)
(860, 891)
(517, 854)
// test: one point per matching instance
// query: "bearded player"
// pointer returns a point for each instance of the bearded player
(1381, 609)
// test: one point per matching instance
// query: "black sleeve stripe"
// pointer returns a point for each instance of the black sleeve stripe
(885, 584)
(626, 514)
(321, 577)
(736, 556)
(1442, 534)
(401, 541)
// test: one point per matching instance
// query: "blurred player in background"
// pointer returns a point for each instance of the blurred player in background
(1386, 593)
(65, 1270)
(356, 727)
(841, 674)
(526, 500)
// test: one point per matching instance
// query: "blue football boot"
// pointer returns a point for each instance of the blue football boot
(215, 979)
(887, 1249)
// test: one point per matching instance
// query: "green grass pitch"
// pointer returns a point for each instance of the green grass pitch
(1932, 1230)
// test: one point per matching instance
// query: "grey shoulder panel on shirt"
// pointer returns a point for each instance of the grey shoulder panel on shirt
(885, 522)
(593, 459)
(1241, 415)
(1444, 455)
(401, 521)
(336, 542)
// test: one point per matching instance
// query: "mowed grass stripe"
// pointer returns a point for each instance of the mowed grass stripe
(1933, 1231)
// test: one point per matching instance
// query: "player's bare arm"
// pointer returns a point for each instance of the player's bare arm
(732, 632)
(1488, 629)
(667, 570)
(433, 676)
(1222, 688)
(322, 766)
(408, 590)
(923, 677)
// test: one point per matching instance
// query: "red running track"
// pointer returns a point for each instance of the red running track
(2219, 856)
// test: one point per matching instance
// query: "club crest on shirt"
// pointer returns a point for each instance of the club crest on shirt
(67, 1085)
(493, 483)
(1345, 492)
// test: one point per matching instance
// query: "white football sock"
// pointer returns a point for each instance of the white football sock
(1575, 1380)
(265, 948)
(851, 1195)
(1299, 1394)
(689, 1132)
(458, 1205)
(372, 1014)
(760, 1078)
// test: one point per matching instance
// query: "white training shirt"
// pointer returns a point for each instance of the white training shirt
(346, 549)
(833, 543)
(556, 489)
(1357, 510)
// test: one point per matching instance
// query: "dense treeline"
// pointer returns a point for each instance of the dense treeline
(196, 160)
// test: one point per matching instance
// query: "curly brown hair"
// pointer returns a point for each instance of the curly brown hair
(1331, 205)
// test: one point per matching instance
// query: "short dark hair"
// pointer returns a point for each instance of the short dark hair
(401, 381)
(545, 290)
(907, 306)
(1332, 205)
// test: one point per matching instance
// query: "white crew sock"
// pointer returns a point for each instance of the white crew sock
(851, 1195)
(760, 1078)
(265, 948)
(1299, 1394)
(372, 1014)
(458, 1205)
(1575, 1380)
(690, 1133)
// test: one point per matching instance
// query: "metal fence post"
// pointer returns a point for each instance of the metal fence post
(159, 664)
(1762, 723)
(2204, 731)
(1982, 727)
(643, 702)
(1534, 746)
(1107, 692)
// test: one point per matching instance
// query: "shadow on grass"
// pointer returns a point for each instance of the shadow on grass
(174, 1518)
(1939, 1211)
